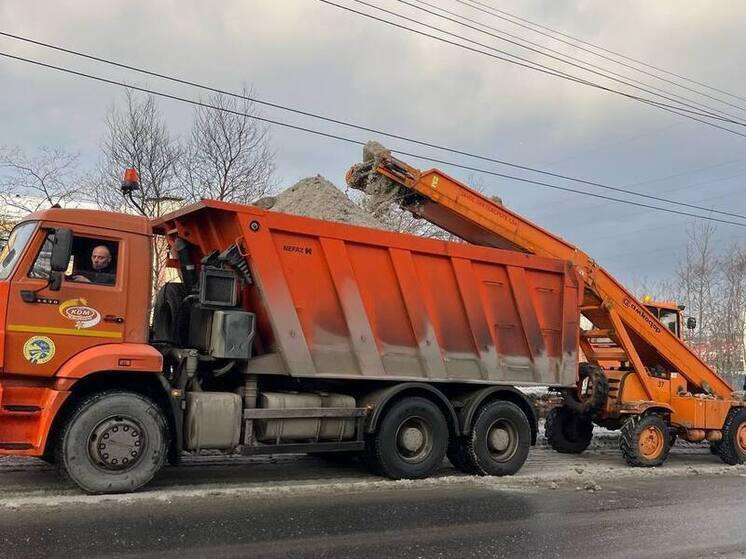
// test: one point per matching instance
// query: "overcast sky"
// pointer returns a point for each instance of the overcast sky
(315, 57)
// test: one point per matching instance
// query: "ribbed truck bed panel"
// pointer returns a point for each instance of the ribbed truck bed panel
(335, 300)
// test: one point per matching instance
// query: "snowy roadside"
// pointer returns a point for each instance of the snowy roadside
(27, 483)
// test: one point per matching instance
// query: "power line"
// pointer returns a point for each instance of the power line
(351, 140)
(582, 64)
(535, 66)
(479, 7)
(558, 73)
(364, 128)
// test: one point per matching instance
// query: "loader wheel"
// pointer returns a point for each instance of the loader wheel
(591, 393)
(114, 442)
(499, 440)
(411, 440)
(568, 432)
(732, 448)
(644, 441)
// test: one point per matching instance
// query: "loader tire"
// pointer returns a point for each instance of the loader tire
(732, 449)
(499, 440)
(644, 440)
(411, 440)
(171, 315)
(114, 442)
(568, 432)
(592, 392)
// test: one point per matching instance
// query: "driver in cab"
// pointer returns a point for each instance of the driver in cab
(101, 271)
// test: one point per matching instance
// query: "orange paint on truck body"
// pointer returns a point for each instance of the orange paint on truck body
(55, 338)
(340, 301)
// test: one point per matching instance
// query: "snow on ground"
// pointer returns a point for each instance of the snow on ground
(33, 483)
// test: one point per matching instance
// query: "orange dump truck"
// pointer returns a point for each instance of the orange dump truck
(286, 334)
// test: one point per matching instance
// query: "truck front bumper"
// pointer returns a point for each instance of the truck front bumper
(27, 413)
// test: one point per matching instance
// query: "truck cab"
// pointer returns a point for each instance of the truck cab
(63, 322)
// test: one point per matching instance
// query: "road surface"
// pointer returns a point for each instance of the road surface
(578, 506)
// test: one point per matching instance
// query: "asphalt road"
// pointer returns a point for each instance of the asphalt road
(681, 516)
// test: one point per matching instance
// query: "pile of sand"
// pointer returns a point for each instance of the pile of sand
(318, 198)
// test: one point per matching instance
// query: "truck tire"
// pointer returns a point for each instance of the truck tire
(171, 315)
(732, 449)
(457, 456)
(594, 398)
(136, 427)
(499, 439)
(644, 440)
(568, 432)
(411, 439)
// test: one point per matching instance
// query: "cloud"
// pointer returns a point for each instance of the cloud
(312, 56)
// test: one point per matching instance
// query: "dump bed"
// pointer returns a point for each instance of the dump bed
(335, 300)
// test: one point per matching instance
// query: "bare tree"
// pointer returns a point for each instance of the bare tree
(228, 156)
(31, 183)
(698, 278)
(656, 289)
(730, 326)
(137, 137)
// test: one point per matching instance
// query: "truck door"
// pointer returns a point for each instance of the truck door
(44, 327)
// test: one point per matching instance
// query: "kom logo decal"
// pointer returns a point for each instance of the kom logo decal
(78, 311)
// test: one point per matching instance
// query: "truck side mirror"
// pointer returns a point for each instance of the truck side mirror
(691, 323)
(60, 257)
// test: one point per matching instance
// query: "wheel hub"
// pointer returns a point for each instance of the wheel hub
(498, 439)
(411, 439)
(414, 440)
(116, 443)
(741, 437)
(502, 440)
(651, 442)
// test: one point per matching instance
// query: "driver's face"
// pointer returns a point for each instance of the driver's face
(100, 258)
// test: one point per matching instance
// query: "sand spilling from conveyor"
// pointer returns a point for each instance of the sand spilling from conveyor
(318, 198)
(381, 191)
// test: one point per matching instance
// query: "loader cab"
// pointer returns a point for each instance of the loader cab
(669, 314)
(58, 300)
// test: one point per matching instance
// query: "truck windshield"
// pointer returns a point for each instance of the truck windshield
(13, 249)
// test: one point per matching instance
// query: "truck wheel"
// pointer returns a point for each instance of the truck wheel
(644, 441)
(499, 440)
(592, 391)
(732, 449)
(568, 432)
(457, 456)
(411, 440)
(114, 442)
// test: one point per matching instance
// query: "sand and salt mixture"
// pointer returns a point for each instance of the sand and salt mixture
(318, 198)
